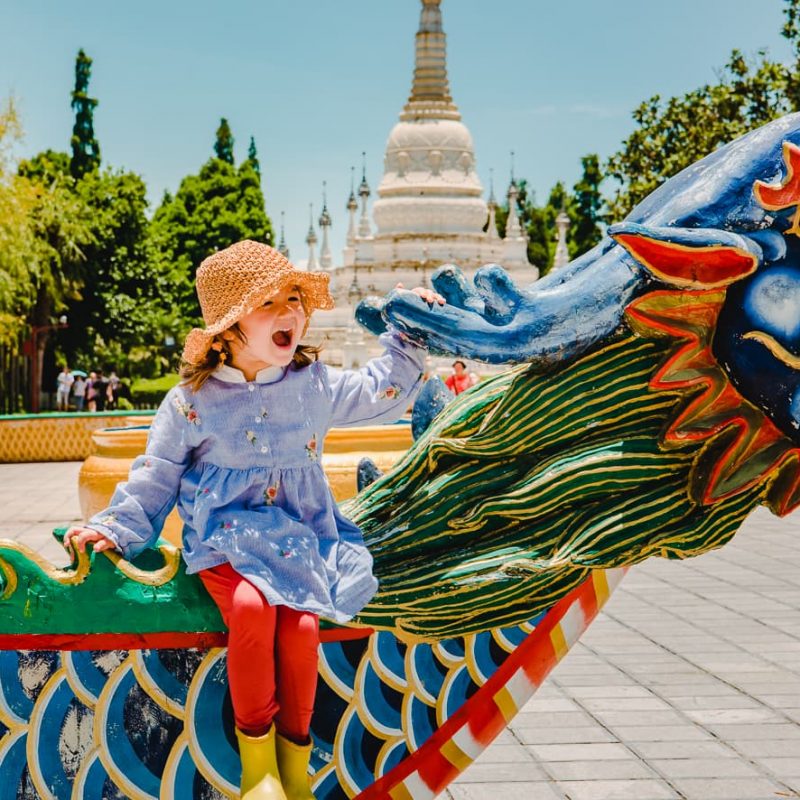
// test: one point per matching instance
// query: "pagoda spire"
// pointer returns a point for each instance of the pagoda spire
(491, 230)
(561, 256)
(352, 207)
(364, 192)
(430, 89)
(282, 248)
(311, 241)
(325, 222)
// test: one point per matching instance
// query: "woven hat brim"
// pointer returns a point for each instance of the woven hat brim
(313, 287)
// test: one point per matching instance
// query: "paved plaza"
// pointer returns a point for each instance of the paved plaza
(687, 686)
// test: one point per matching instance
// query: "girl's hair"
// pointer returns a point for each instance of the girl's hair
(195, 375)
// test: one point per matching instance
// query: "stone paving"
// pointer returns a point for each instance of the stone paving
(687, 686)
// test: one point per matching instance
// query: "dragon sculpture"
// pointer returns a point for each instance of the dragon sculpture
(654, 402)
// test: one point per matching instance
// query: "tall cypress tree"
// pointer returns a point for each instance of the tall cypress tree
(252, 156)
(586, 232)
(85, 148)
(223, 147)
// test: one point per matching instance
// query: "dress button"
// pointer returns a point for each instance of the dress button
(250, 387)
(257, 419)
(264, 448)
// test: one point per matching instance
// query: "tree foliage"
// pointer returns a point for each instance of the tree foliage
(586, 208)
(211, 210)
(252, 156)
(85, 148)
(583, 206)
(223, 146)
(44, 229)
(15, 203)
(672, 134)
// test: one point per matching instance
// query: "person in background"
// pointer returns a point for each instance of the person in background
(460, 380)
(101, 386)
(79, 392)
(113, 391)
(65, 381)
(91, 392)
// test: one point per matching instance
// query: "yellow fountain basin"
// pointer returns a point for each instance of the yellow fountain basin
(116, 449)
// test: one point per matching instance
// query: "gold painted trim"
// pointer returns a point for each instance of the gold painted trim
(11, 579)
(34, 727)
(79, 781)
(100, 727)
(385, 752)
(66, 576)
(455, 755)
(73, 679)
(504, 700)
(559, 642)
(346, 781)
(151, 688)
(202, 763)
(775, 347)
(172, 560)
(328, 674)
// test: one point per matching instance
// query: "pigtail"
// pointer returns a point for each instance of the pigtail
(195, 375)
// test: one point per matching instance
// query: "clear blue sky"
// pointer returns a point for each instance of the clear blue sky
(317, 82)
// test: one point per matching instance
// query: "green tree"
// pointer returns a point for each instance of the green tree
(223, 146)
(130, 308)
(534, 222)
(252, 156)
(586, 208)
(211, 210)
(17, 199)
(791, 32)
(674, 133)
(122, 305)
(45, 229)
(85, 148)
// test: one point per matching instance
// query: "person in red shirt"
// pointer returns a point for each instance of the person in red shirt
(460, 380)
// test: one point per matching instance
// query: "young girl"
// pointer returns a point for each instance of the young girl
(238, 444)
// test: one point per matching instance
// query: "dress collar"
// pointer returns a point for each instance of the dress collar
(233, 375)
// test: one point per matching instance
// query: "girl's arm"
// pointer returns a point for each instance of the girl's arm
(382, 390)
(139, 506)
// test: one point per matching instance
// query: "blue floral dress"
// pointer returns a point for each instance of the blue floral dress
(242, 461)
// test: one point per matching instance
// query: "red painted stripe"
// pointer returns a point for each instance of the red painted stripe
(145, 641)
(110, 641)
(536, 649)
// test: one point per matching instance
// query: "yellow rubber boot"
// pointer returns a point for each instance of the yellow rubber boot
(260, 777)
(293, 761)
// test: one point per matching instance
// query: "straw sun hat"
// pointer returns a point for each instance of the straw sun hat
(235, 281)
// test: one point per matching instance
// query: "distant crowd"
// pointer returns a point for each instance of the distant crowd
(92, 392)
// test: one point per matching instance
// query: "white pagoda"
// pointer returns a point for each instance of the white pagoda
(430, 208)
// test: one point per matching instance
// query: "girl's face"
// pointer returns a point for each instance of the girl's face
(272, 331)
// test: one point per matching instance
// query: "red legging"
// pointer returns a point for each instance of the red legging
(272, 657)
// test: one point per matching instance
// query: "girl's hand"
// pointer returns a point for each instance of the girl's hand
(429, 295)
(79, 537)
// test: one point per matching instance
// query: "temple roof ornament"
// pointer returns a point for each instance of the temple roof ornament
(430, 187)
(430, 90)
(561, 256)
(491, 227)
(282, 248)
(352, 207)
(364, 228)
(311, 241)
(513, 227)
(325, 222)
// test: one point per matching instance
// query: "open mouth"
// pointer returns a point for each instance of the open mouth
(282, 338)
